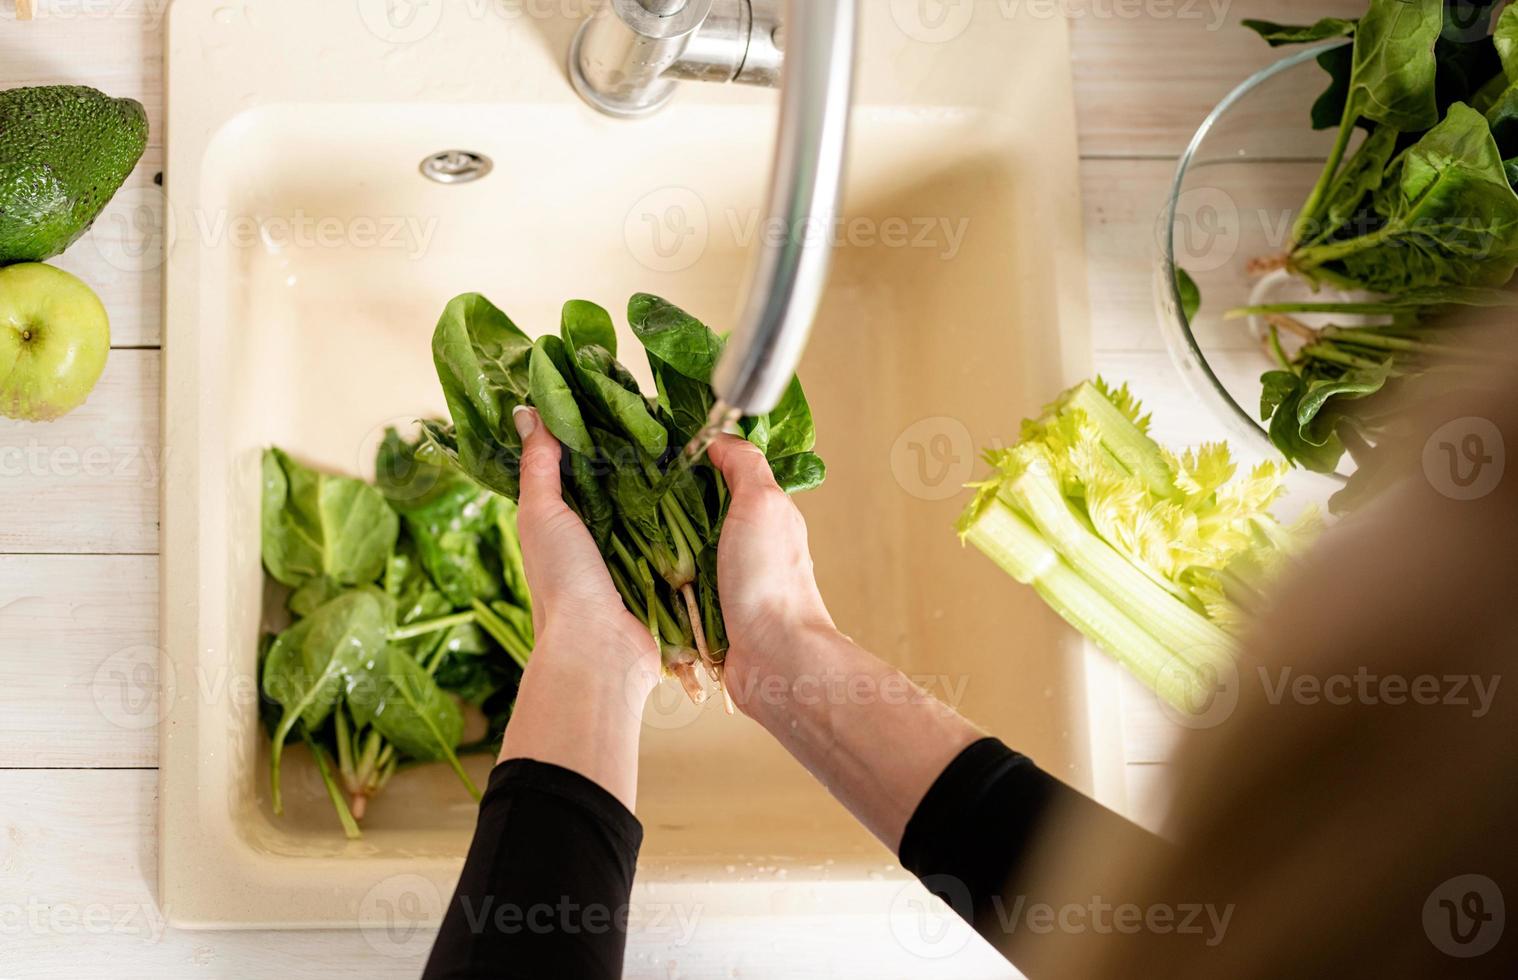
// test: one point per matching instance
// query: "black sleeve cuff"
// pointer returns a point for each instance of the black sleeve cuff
(973, 832)
(528, 777)
(546, 890)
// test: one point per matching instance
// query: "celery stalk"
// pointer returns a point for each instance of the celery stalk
(1008, 539)
(1181, 629)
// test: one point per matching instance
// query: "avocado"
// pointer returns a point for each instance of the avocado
(65, 151)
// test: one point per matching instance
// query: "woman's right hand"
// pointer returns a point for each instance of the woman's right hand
(770, 601)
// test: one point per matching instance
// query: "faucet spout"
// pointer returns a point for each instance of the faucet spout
(628, 60)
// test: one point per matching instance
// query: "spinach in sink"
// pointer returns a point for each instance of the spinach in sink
(389, 650)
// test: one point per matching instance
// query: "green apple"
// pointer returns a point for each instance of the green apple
(54, 338)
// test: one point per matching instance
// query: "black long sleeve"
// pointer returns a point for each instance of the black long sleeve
(974, 837)
(546, 888)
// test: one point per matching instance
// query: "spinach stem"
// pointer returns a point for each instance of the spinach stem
(344, 815)
(344, 744)
(1327, 352)
(1309, 213)
(698, 631)
(502, 632)
(414, 630)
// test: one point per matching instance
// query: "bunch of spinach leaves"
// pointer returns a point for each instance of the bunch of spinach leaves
(1422, 214)
(655, 519)
(408, 602)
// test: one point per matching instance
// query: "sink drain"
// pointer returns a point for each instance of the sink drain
(456, 167)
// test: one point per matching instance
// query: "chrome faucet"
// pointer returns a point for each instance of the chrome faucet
(627, 61)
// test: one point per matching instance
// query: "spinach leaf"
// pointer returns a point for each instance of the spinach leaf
(483, 363)
(305, 669)
(1392, 81)
(1451, 218)
(310, 597)
(613, 403)
(1190, 293)
(554, 399)
(1466, 57)
(584, 324)
(1354, 384)
(508, 546)
(791, 428)
(803, 471)
(674, 337)
(415, 482)
(1282, 34)
(412, 712)
(590, 499)
(315, 525)
(1339, 63)
(1359, 179)
(1395, 70)
(1281, 395)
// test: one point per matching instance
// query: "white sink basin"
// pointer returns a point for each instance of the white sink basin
(311, 262)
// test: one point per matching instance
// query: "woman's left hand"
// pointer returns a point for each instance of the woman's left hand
(594, 664)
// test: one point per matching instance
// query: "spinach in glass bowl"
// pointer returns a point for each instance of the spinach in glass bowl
(1312, 266)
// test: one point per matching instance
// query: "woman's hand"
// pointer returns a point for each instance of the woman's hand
(593, 666)
(770, 601)
(575, 606)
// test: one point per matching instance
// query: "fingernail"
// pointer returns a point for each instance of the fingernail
(526, 420)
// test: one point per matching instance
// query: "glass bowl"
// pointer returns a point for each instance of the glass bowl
(1235, 197)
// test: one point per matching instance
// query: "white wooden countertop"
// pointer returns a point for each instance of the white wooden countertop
(79, 506)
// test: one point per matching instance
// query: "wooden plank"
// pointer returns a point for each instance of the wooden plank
(80, 669)
(1147, 72)
(113, 45)
(121, 257)
(1249, 209)
(89, 482)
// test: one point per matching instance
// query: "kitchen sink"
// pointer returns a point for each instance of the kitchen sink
(311, 257)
